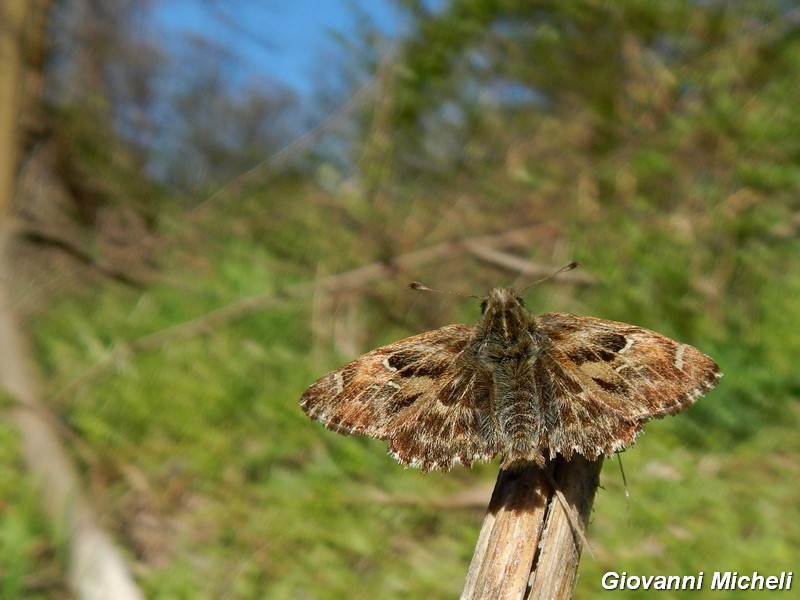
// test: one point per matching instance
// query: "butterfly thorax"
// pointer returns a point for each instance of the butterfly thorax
(505, 319)
(506, 332)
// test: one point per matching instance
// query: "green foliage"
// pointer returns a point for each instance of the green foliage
(28, 565)
(657, 145)
(693, 512)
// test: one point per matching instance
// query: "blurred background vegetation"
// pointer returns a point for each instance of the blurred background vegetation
(189, 258)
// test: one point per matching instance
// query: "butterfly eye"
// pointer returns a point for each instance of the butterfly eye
(483, 306)
(520, 301)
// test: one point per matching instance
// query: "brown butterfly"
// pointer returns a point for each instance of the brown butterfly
(521, 385)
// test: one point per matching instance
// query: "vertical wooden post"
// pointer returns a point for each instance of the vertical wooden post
(528, 547)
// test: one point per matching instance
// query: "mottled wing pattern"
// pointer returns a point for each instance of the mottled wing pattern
(605, 379)
(421, 394)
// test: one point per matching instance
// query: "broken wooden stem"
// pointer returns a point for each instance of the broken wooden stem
(528, 546)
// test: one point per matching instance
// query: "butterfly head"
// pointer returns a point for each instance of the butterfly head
(504, 313)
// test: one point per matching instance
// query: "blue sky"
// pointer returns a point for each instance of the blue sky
(284, 40)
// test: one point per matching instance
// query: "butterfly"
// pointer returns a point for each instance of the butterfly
(527, 387)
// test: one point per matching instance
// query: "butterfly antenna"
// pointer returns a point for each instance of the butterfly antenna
(416, 285)
(568, 267)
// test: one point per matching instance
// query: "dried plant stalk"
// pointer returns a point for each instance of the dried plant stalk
(529, 546)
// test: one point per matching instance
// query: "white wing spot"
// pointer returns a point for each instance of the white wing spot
(627, 346)
(385, 363)
(393, 384)
(337, 379)
(679, 357)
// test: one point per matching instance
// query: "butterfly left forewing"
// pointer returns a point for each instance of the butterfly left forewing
(418, 393)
